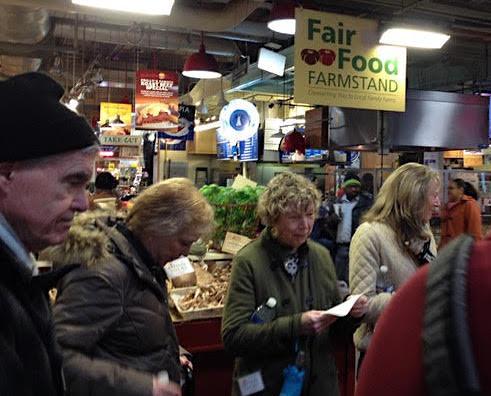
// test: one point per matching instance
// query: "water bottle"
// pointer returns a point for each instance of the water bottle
(383, 285)
(265, 312)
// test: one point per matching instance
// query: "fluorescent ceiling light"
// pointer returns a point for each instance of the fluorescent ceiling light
(149, 7)
(413, 38)
(285, 26)
(205, 74)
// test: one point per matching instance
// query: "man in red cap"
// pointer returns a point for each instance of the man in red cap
(46, 159)
(434, 337)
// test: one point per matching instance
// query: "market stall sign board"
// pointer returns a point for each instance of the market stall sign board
(120, 140)
(339, 63)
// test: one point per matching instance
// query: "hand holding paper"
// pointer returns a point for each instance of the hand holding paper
(356, 303)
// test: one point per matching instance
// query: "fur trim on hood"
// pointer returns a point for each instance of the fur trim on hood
(87, 242)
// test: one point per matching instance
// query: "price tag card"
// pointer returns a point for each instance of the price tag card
(234, 242)
(178, 267)
(241, 181)
(251, 383)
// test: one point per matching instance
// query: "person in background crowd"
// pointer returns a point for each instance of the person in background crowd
(105, 196)
(460, 215)
(470, 190)
(344, 218)
(398, 361)
(297, 277)
(111, 315)
(393, 241)
(47, 154)
(367, 183)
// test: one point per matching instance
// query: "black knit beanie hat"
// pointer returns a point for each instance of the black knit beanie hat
(34, 122)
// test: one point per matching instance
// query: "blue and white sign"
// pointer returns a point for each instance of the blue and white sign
(237, 135)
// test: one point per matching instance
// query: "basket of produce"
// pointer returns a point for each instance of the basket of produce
(205, 300)
(235, 210)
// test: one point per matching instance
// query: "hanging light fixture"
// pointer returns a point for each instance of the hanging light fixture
(222, 102)
(282, 17)
(201, 64)
(202, 107)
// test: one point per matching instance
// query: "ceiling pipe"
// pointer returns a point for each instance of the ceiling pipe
(253, 32)
(157, 39)
(223, 19)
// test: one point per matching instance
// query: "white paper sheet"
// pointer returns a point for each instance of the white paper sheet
(343, 309)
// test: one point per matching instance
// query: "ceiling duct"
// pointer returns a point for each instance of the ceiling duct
(20, 25)
(183, 17)
(158, 39)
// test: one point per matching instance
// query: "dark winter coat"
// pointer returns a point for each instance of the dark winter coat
(258, 274)
(111, 315)
(30, 364)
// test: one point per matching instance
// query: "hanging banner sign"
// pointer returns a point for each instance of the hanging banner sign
(157, 100)
(115, 118)
(338, 62)
(237, 135)
(185, 128)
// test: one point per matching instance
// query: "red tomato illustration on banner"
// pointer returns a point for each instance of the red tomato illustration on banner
(310, 56)
(327, 56)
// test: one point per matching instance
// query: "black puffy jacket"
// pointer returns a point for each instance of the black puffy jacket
(111, 315)
(30, 364)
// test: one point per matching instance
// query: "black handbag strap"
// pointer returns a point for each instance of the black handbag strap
(448, 357)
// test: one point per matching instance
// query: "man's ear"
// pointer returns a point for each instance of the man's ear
(6, 169)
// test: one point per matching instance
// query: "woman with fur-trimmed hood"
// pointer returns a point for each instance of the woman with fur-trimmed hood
(111, 314)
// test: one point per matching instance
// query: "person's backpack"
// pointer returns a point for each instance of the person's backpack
(448, 357)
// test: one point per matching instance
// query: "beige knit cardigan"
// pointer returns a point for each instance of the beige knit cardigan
(375, 245)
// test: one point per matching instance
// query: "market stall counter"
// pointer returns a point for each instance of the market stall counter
(213, 366)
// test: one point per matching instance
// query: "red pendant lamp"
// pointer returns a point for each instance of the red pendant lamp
(201, 64)
(282, 17)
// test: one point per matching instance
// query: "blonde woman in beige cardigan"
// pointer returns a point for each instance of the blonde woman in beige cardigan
(393, 241)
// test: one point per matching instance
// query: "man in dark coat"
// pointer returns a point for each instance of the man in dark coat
(344, 218)
(46, 159)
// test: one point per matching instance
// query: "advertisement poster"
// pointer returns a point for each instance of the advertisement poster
(237, 136)
(157, 100)
(338, 62)
(185, 127)
(115, 119)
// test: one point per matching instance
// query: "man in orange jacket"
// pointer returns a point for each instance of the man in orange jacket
(460, 215)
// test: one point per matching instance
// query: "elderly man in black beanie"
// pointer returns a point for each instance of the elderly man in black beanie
(46, 159)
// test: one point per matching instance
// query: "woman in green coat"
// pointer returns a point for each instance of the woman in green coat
(298, 274)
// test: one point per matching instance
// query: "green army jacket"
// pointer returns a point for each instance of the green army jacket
(258, 274)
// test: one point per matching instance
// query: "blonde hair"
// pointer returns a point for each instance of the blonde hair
(168, 208)
(285, 191)
(402, 200)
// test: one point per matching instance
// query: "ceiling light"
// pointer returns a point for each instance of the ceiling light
(149, 7)
(413, 38)
(201, 65)
(202, 108)
(73, 104)
(222, 102)
(282, 17)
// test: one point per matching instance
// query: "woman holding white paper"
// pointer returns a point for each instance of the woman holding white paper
(293, 279)
(394, 240)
